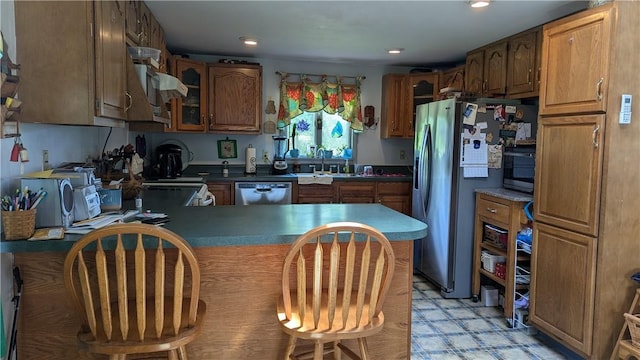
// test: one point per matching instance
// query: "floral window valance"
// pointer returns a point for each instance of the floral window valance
(341, 98)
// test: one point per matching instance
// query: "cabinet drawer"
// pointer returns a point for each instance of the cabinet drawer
(494, 210)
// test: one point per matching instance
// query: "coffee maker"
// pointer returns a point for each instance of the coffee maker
(281, 144)
(169, 161)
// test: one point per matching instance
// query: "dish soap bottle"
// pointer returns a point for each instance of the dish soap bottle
(346, 166)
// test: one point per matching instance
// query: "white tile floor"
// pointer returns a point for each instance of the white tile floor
(461, 329)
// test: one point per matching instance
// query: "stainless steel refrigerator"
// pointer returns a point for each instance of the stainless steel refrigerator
(443, 198)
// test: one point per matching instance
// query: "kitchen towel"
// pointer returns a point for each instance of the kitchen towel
(250, 160)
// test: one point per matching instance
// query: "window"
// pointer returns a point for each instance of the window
(320, 130)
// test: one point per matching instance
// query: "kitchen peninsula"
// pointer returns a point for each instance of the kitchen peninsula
(240, 250)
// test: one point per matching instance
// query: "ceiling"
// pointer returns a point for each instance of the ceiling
(353, 32)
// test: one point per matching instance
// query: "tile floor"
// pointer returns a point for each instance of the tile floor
(461, 329)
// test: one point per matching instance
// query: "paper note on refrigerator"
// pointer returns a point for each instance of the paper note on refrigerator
(474, 155)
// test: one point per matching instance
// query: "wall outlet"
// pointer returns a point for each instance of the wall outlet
(265, 156)
(403, 155)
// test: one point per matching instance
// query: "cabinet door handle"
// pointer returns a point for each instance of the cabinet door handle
(529, 76)
(594, 136)
(129, 103)
(599, 89)
(493, 211)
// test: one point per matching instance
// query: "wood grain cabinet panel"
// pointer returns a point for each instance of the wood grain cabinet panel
(495, 69)
(223, 191)
(355, 193)
(395, 195)
(564, 263)
(394, 105)
(474, 73)
(585, 243)
(315, 194)
(523, 64)
(575, 66)
(94, 92)
(401, 93)
(235, 98)
(569, 171)
(190, 113)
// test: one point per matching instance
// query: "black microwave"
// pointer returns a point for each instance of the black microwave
(519, 164)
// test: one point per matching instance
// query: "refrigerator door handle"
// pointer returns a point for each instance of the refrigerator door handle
(428, 155)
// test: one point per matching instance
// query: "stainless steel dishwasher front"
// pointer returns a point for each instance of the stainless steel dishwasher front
(253, 193)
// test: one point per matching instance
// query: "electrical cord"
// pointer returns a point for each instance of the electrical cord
(105, 142)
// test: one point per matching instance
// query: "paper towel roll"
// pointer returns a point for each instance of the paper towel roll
(250, 160)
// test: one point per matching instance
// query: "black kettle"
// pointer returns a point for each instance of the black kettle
(169, 161)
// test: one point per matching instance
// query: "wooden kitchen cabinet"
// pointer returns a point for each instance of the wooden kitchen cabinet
(132, 21)
(394, 105)
(565, 265)
(190, 113)
(507, 214)
(523, 64)
(315, 194)
(94, 91)
(223, 191)
(585, 242)
(234, 98)
(423, 88)
(495, 70)
(348, 192)
(506, 68)
(401, 93)
(452, 78)
(580, 164)
(474, 72)
(396, 195)
(575, 67)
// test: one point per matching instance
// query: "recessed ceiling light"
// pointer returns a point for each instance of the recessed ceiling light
(395, 51)
(478, 3)
(249, 41)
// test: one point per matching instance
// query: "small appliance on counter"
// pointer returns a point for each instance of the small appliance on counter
(86, 202)
(79, 173)
(281, 144)
(56, 208)
(169, 157)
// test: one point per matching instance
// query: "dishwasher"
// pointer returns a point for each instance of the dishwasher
(254, 193)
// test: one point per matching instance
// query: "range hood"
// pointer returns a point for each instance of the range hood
(165, 87)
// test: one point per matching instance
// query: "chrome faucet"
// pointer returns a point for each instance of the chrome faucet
(322, 159)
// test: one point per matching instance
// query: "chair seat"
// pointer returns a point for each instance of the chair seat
(151, 343)
(324, 331)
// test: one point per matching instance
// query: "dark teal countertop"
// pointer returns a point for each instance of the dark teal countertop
(249, 225)
(213, 173)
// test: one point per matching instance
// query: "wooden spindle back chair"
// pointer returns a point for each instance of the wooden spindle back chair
(137, 290)
(334, 281)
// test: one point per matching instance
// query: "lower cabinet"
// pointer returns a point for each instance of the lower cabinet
(355, 193)
(563, 287)
(223, 191)
(315, 194)
(395, 195)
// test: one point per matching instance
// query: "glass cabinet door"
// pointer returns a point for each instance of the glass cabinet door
(191, 111)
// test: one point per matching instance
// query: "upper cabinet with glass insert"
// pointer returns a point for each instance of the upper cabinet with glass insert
(190, 111)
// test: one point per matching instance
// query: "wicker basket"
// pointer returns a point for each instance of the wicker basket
(19, 224)
(633, 322)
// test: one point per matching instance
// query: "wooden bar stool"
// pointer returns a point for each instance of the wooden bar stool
(624, 349)
(136, 288)
(338, 296)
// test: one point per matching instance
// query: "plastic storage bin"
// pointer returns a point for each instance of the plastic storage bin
(489, 261)
(141, 53)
